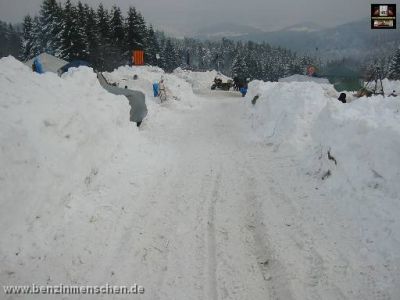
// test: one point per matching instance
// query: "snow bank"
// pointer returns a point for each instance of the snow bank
(286, 112)
(362, 137)
(177, 88)
(391, 85)
(61, 139)
(303, 78)
(200, 81)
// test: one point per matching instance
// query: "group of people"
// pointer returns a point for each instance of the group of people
(159, 90)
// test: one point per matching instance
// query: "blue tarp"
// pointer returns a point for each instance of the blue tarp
(38, 66)
(155, 89)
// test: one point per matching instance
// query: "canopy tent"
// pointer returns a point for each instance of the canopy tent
(49, 62)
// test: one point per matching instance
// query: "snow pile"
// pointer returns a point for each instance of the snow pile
(200, 81)
(363, 139)
(390, 85)
(63, 140)
(286, 112)
(303, 78)
(177, 89)
(356, 142)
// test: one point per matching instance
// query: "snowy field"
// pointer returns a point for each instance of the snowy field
(294, 197)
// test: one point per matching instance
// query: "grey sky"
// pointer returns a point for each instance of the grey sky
(186, 16)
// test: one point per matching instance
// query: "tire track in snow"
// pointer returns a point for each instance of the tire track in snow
(272, 270)
(211, 242)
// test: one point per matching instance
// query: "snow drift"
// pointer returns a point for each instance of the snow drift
(362, 137)
(304, 78)
(177, 88)
(199, 81)
(63, 143)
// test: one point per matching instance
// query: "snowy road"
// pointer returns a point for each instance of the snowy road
(195, 205)
(222, 218)
(231, 218)
(213, 242)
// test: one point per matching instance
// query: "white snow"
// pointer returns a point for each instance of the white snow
(213, 198)
(304, 78)
(200, 81)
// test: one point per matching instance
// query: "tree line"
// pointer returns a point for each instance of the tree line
(105, 38)
(10, 38)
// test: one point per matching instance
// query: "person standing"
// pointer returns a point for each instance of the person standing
(162, 92)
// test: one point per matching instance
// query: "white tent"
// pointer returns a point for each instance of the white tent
(49, 62)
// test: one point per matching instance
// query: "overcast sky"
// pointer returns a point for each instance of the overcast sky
(187, 16)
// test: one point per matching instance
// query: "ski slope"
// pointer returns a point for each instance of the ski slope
(212, 198)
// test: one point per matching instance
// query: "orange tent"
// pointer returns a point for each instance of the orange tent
(138, 57)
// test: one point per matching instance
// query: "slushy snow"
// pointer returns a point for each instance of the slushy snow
(293, 197)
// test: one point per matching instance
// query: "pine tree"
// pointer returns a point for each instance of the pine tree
(51, 25)
(117, 36)
(394, 69)
(37, 47)
(153, 48)
(239, 67)
(73, 39)
(91, 33)
(117, 27)
(26, 52)
(81, 19)
(103, 27)
(170, 56)
(10, 40)
(135, 31)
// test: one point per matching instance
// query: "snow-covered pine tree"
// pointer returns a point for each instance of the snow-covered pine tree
(117, 27)
(239, 67)
(170, 56)
(250, 58)
(117, 34)
(81, 20)
(135, 31)
(36, 37)
(10, 40)
(142, 29)
(26, 52)
(103, 27)
(51, 25)
(152, 49)
(394, 69)
(73, 37)
(91, 33)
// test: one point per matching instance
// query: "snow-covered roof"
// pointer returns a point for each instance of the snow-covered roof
(49, 62)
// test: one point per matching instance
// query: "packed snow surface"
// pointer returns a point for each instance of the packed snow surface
(293, 196)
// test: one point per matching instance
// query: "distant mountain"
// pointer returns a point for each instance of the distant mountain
(354, 39)
(304, 27)
(227, 30)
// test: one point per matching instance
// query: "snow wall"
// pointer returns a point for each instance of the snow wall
(354, 145)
